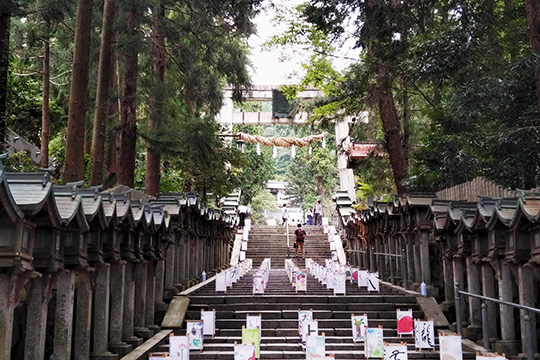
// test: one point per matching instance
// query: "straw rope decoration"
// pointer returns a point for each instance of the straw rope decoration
(281, 141)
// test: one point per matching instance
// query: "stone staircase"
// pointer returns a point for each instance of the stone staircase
(280, 304)
(271, 242)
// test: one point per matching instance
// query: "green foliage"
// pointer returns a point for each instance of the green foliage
(374, 180)
(24, 110)
(462, 75)
(20, 162)
(206, 49)
(262, 201)
(311, 177)
(256, 170)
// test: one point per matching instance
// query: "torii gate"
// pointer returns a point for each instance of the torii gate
(229, 117)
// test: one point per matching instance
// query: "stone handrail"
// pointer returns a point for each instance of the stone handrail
(141, 352)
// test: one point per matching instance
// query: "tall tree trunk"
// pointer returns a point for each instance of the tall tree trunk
(406, 117)
(45, 111)
(533, 21)
(74, 170)
(126, 163)
(387, 110)
(153, 157)
(102, 96)
(112, 123)
(5, 21)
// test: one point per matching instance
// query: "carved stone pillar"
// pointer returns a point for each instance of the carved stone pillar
(36, 321)
(83, 321)
(488, 289)
(63, 324)
(474, 330)
(139, 318)
(129, 307)
(116, 345)
(101, 314)
(526, 297)
(151, 294)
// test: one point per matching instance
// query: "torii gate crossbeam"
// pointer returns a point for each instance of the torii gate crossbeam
(229, 117)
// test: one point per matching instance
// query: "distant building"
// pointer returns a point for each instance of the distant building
(277, 188)
(16, 143)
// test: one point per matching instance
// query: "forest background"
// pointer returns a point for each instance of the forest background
(118, 91)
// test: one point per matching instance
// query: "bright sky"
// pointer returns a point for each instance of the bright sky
(280, 67)
(267, 67)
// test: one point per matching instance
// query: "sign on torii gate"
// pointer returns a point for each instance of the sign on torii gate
(228, 117)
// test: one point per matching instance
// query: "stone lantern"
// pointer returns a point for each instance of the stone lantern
(162, 232)
(97, 220)
(33, 193)
(497, 233)
(535, 245)
(16, 233)
(517, 246)
(69, 204)
(111, 248)
(529, 210)
(131, 235)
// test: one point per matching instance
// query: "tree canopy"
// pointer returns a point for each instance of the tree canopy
(202, 48)
(451, 87)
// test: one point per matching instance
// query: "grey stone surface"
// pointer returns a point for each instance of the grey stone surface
(64, 315)
(527, 298)
(36, 322)
(176, 313)
(118, 271)
(101, 312)
(508, 332)
(83, 321)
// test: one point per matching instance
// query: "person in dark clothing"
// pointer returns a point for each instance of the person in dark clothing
(300, 239)
(317, 213)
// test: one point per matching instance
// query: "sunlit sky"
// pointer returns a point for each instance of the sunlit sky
(280, 67)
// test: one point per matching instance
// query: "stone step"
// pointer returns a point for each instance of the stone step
(300, 355)
(293, 314)
(247, 308)
(280, 303)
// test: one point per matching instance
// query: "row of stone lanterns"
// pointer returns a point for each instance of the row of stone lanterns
(117, 258)
(490, 247)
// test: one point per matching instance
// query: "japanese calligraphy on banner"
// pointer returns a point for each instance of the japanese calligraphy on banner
(362, 278)
(359, 325)
(424, 335)
(404, 322)
(450, 347)
(303, 317)
(374, 343)
(395, 351)
(179, 347)
(373, 282)
(309, 328)
(194, 329)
